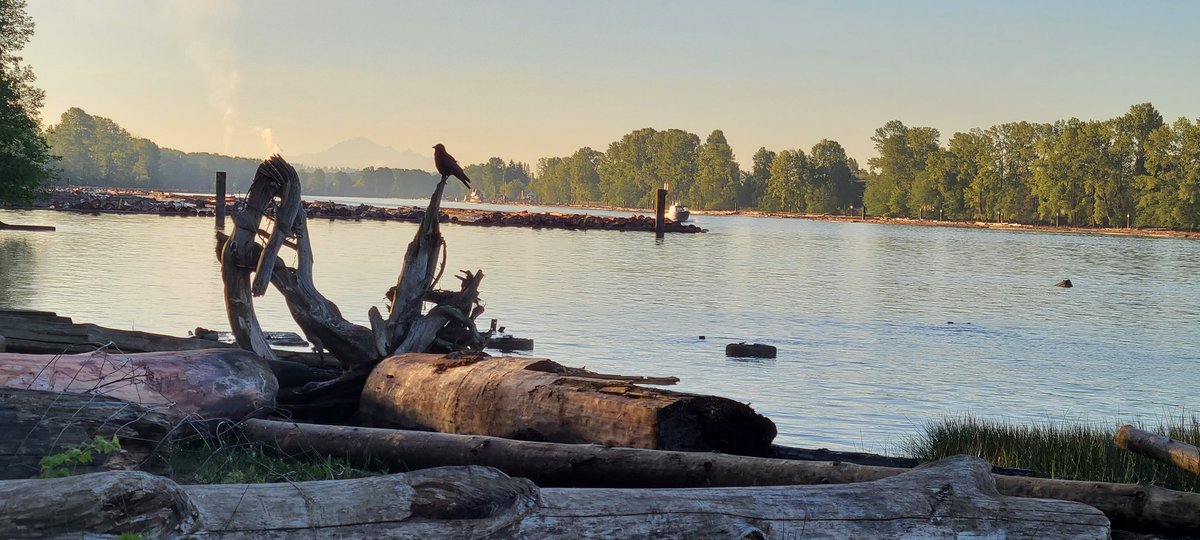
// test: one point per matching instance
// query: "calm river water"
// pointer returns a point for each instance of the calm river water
(880, 328)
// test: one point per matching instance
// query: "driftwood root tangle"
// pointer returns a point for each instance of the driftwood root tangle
(953, 498)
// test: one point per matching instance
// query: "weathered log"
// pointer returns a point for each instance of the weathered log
(1131, 507)
(532, 398)
(35, 423)
(1159, 448)
(952, 498)
(45, 332)
(205, 384)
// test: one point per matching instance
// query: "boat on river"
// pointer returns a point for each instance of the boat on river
(678, 212)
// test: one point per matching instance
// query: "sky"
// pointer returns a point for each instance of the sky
(524, 79)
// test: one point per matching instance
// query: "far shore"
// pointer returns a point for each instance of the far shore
(1001, 226)
(880, 220)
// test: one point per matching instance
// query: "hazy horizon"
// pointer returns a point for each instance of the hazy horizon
(525, 80)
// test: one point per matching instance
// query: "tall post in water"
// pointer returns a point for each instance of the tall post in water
(220, 200)
(660, 211)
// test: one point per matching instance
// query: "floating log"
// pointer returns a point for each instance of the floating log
(35, 423)
(510, 344)
(1160, 448)
(34, 228)
(205, 384)
(537, 399)
(750, 350)
(952, 498)
(1132, 507)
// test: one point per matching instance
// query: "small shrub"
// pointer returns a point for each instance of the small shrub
(64, 463)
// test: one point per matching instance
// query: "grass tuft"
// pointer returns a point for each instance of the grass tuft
(1058, 450)
(230, 459)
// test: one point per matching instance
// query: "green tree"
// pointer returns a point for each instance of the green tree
(24, 153)
(717, 174)
(754, 184)
(832, 184)
(627, 173)
(903, 152)
(790, 174)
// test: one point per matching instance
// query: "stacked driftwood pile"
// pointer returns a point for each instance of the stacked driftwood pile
(491, 446)
(83, 199)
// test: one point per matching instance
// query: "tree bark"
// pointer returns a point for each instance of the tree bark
(34, 424)
(205, 384)
(1131, 507)
(530, 398)
(1159, 448)
(952, 498)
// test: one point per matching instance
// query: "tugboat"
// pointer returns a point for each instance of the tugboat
(678, 213)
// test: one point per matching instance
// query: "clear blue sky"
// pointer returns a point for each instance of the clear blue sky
(530, 79)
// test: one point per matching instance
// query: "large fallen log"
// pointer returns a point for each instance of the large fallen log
(537, 399)
(1131, 507)
(205, 384)
(34, 424)
(1159, 448)
(45, 332)
(952, 498)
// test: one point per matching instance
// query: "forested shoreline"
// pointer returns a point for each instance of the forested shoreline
(1134, 170)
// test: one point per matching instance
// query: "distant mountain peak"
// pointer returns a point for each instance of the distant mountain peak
(361, 152)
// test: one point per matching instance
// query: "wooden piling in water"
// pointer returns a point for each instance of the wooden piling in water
(221, 200)
(660, 210)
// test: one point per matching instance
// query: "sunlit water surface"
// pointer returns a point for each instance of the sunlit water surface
(861, 314)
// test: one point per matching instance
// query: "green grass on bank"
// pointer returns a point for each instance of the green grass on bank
(230, 459)
(1069, 451)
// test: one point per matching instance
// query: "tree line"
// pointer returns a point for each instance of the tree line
(703, 174)
(1134, 169)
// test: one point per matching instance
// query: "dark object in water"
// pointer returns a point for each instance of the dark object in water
(754, 350)
(511, 344)
(287, 339)
(1066, 284)
(701, 337)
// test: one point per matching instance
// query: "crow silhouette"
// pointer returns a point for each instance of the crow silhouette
(447, 166)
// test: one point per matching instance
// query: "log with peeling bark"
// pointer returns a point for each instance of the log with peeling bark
(537, 399)
(207, 384)
(1159, 448)
(1132, 507)
(952, 498)
(35, 423)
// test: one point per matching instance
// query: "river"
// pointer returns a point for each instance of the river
(880, 328)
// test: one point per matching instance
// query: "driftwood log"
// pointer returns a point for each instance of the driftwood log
(1160, 448)
(34, 424)
(45, 332)
(952, 498)
(537, 399)
(206, 384)
(1131, 507)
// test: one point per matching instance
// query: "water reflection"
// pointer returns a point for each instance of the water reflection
(16, 270)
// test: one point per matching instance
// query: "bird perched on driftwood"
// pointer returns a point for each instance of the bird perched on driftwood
(447, 166)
